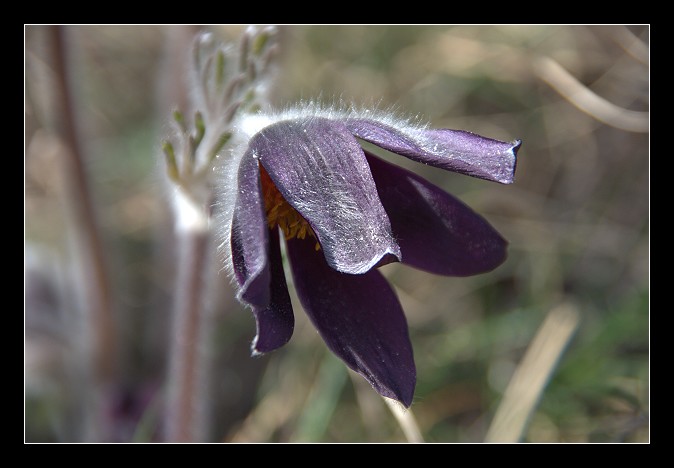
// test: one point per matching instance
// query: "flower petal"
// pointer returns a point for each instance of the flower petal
(360, 319)
(276, 322)
(436, 232)
(453, 150)
(321, 171)
(249, 239)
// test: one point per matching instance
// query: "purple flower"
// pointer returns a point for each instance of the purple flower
(343, 212)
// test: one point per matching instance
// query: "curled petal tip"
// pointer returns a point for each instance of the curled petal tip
(453, 150)
(517, 144)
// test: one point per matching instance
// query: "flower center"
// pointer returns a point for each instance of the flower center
(281, 214)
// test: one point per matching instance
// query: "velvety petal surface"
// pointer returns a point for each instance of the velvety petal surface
(360, 319)
(249, 239)
(321, 171)
(453, 150)
(275, 323)
(435, 231)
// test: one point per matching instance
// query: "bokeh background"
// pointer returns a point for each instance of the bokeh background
(576, 219)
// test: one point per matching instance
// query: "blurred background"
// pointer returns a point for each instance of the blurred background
(564, 321)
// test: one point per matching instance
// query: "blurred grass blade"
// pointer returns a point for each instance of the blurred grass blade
(322, 402)
(526, 386)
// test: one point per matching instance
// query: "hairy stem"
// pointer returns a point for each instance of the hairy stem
(186, 373)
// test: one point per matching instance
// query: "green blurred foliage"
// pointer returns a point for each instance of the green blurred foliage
(576, 219)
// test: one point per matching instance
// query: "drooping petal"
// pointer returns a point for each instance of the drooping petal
(321, 171)
(453, 150)
(360, 319)
(249, 239)
(275, 323)
(436, 232)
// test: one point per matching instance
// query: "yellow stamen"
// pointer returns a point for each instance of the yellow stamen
(281, 214)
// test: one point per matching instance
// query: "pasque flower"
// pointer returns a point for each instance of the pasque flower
(303, 176)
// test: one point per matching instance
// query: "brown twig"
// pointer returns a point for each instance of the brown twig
(586, 100)
(98, 302)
